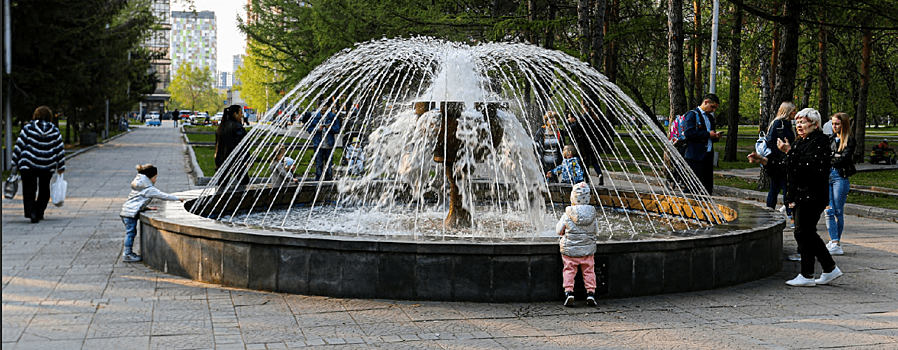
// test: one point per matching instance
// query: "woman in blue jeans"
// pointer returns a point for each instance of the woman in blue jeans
(842, 167)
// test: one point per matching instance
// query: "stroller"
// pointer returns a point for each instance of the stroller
(883, 153)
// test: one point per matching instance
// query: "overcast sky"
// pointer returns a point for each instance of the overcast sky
(230, 41)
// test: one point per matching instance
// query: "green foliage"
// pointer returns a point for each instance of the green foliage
(73, 55)
(191, 88)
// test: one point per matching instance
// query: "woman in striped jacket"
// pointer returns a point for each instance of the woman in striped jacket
(38, 152)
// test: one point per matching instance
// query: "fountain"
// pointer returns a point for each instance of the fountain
(453, 203)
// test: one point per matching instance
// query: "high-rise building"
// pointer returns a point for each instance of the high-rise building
(159, 42)
(224, 80)
(238, 62)
(194, 40)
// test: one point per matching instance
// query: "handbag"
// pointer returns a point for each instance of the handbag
(58, 189)
(761, 146)
(12, 184)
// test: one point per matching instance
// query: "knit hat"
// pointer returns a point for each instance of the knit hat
(580, 194)
(150, 172)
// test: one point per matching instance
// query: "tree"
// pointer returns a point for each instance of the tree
(676, 81)
(735, 68)
(257, 85)
(191, 88)
(73, 55)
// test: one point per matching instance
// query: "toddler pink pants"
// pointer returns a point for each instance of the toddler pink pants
(586, 264)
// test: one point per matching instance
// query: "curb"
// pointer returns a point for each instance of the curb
(195, 167)
(850, 209)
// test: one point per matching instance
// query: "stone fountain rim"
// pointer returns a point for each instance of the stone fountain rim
(174, 217)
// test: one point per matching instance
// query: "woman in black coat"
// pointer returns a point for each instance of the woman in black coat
(228, 136)
(807, 165)
(38, 152)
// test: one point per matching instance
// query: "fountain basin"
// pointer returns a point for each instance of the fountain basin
(745, 248)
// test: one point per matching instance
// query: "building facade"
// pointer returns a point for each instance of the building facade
(238, 62)
(194, 40)
(159, 42)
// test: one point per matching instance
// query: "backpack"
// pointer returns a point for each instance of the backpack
(677, 135)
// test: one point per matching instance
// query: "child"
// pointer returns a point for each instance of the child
(570, 170)
(356, 156)
(282, 167)
(578, 228)
(142, 191)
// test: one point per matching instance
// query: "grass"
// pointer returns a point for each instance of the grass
(205, 157)
(887, 179)
(880, 201)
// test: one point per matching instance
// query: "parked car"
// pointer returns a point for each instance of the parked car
(153, 120)
(216, 118)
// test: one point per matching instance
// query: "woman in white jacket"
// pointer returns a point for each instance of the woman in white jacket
(142, 191)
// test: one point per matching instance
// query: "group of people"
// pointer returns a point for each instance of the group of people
(812, 170)
(568, 160)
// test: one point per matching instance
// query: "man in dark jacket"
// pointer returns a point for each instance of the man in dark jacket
(324, 127)
(700, 133)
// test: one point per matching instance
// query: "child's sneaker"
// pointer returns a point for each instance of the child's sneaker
(568, 298)
(590, 299)
(131, 257)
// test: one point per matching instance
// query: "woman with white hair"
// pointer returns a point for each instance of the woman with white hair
(807, 167)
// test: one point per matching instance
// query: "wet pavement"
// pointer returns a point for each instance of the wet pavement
(65, 287)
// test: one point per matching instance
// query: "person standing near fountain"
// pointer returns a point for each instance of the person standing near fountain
(549, 142)
(324, 127)
(780, 128)
(228, 135)
(585, 138)
(578, 230)
(700, 131)
(843, 147)
(807, 165)
(143, 190)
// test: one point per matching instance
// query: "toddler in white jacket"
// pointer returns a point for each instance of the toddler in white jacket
(578, 228)
(142, 191)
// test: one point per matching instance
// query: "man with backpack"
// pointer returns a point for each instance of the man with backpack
(699, 130)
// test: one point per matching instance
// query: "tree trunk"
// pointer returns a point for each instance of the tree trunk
(788, 54)
(611, 47)
(765, 102)
(806, 96)
(735, 82)
(861, 121)
(697, 79)
(598, 34)
(583, 27)
(531, 17)
(675, 78)
(823, 76)
(550, 31)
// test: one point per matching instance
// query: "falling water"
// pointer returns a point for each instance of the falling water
(403, 190)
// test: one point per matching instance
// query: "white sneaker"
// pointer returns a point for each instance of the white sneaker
(802, 281)
(828, 277)
(835, 249)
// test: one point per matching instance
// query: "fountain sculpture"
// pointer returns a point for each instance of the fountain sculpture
(453, 203)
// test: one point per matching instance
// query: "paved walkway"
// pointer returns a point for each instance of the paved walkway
(64, 287)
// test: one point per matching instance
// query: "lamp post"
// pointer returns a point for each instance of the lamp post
(714, 28)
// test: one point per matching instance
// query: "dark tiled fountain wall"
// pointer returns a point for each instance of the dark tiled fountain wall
(174, 241)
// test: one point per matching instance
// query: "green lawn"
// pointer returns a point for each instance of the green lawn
(887, 179)
(880, 201)
(205, 157)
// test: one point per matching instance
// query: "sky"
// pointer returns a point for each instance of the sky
(230, 41)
